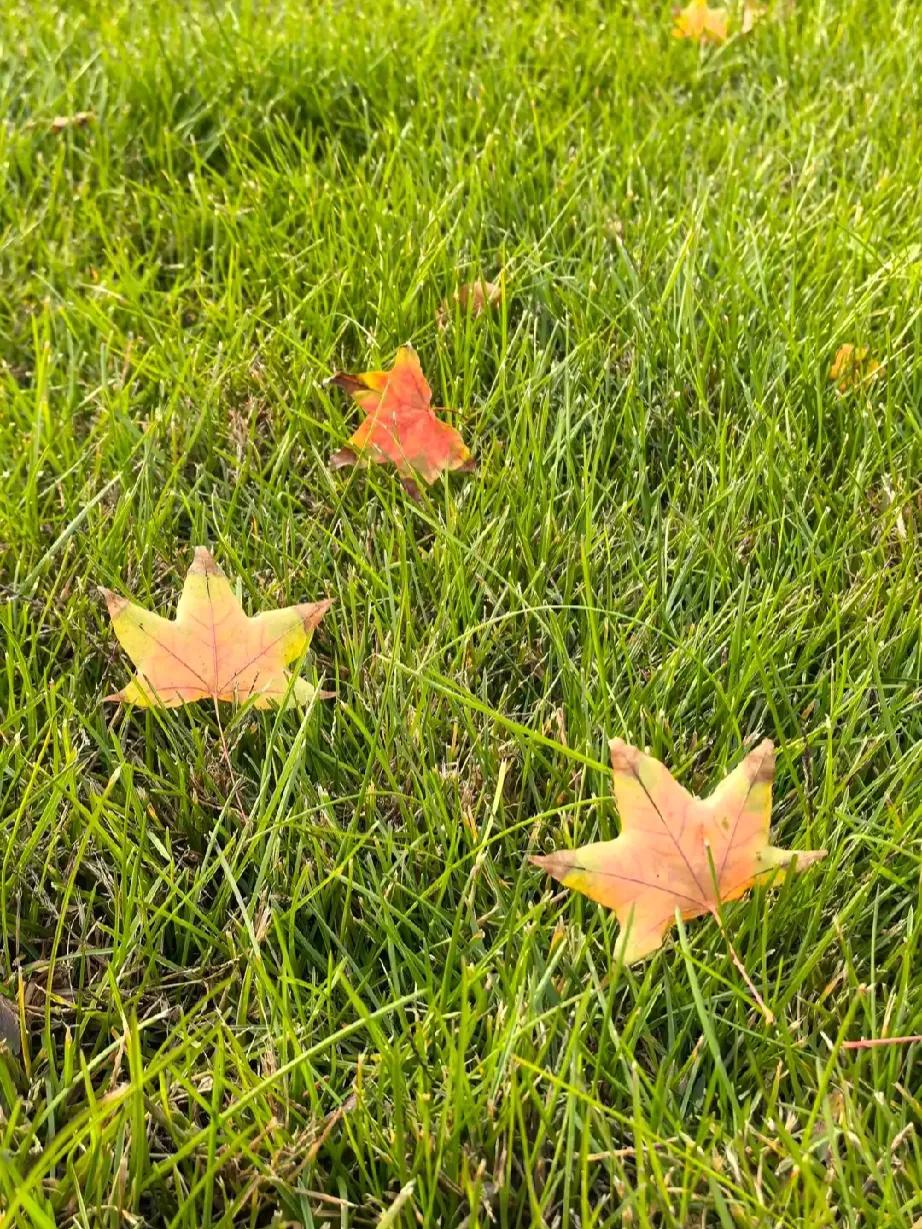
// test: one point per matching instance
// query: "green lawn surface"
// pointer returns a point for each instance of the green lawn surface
(294, 968)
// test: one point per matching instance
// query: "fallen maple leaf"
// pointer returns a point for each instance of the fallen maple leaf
(473, 297)
(700, 22)
(852, 366)
(212, 650)
(401, 426)
(676, 851)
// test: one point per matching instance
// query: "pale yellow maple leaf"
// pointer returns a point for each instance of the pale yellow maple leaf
(699, 22)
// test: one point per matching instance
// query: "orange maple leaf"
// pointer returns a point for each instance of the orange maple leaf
(212, 650)
(677, 852)
(698, 21)
(401, 427)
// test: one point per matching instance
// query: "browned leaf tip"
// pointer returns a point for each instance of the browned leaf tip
(557, 864)
(312, 612)
(342, 379)
(114, 602)
(624, 757)
(203, 563)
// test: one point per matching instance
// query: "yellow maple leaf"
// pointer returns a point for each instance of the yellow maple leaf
(698, 21)
(853, 366)
(212, 649)
(676, 852)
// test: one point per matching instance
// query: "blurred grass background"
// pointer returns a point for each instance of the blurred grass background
(320, 984)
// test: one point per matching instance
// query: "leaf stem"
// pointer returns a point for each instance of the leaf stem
(868, 1043)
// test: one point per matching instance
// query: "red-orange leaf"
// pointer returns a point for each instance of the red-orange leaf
(401, 427)
(212, 650)
(677, 852)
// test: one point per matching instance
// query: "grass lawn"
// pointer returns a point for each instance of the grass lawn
(308, 977)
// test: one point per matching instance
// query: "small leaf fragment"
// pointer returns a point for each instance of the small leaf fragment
(753, 13)
(212, 649)
(343, 458)
(473, 298)
(677, 852)
(9, 1027)
(401, 427)
(79, 120)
